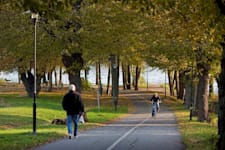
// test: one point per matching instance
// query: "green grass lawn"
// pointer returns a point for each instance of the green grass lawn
(16, 118)
(196, 135)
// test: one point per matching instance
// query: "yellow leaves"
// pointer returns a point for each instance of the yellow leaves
(107, 21)
(211, 39)
(212, 31)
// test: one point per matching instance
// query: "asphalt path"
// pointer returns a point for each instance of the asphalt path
(137, 131)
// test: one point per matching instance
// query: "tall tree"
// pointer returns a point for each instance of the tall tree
(51, 36)
(221, 85)
(203, 81)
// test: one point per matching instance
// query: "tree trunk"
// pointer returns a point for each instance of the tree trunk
(28, 82)
(202, 89)
(128, 77)
(221, 88)
(44, 79)
(118, 70)
(124, 76)
(137, 76)
(97, 73)
(60, 77)
(181, 85)
(188, 91)
(221, 110)
(108, 80)
(73, 64)
(76, 80)
(211, 80)
(202, 96)
(19, 78)
(99, 79)
(56, 79)
(176, 80)
(171, 85)
(85, 76)
(50, 80)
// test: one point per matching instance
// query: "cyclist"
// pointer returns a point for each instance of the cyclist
(156, 99)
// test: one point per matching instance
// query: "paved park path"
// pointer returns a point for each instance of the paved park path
(137, 131)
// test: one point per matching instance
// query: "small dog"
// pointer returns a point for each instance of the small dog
(63, 121)
(58, 121)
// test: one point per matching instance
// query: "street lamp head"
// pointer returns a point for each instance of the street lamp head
(34, 16)
(26, 12)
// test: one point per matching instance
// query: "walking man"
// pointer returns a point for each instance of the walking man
(73, 105)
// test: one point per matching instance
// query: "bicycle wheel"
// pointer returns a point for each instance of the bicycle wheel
(154, 110)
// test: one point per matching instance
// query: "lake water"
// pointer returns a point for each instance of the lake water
(150, 75)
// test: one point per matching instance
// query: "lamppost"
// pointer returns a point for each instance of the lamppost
(165, 84)
(34, 17)
(115, 71)
(147, 76)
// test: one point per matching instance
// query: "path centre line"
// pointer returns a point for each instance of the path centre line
(126, 134)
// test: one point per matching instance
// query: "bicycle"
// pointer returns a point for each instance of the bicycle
(154, 109)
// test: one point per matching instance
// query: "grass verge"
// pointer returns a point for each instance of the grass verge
(196, 135)
(16, 118)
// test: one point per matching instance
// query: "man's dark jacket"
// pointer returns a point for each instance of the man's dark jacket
(155, 98)
(72, 103)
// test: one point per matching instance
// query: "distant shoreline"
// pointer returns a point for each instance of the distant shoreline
(150, 75)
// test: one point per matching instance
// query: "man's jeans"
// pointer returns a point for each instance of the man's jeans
(70, 120)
